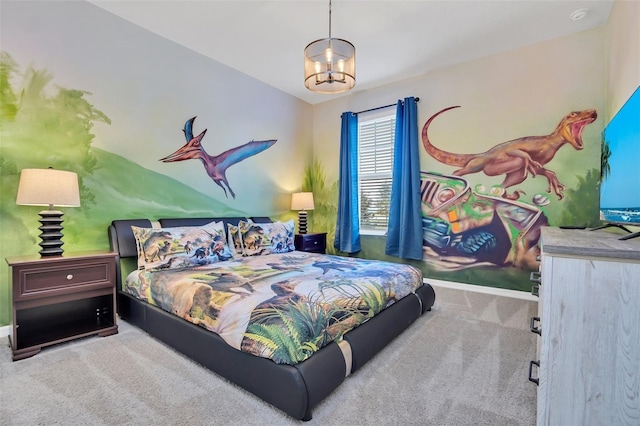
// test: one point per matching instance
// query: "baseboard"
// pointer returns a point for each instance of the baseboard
(5, 331)
(525, 295)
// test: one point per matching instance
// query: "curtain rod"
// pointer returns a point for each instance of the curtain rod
(380, 107)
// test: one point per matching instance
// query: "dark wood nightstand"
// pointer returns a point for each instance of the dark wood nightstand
(314, 242)
(60, 298)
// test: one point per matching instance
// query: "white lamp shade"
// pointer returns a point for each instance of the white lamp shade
(330, 66)
(302, 201)
(48, 187)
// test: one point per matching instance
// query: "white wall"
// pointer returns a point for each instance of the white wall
(149, 86)
(623, 54)
(623, 48)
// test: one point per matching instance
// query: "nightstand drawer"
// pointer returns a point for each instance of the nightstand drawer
(316, 243)
(51, 278)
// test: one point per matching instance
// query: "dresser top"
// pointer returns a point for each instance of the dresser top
(582, 242)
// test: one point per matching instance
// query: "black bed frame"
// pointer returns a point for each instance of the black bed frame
(294, 389)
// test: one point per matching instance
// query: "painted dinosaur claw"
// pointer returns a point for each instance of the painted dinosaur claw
(515, 196)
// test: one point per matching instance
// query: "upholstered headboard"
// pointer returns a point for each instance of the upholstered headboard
(198, 221)
(121, 236)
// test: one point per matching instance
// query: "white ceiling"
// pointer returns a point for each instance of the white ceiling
(394, 39)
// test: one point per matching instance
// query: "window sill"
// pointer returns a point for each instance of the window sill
(376, 232)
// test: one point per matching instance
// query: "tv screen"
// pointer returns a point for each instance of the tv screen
(620, 187)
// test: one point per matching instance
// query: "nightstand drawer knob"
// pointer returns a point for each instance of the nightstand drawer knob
(69, 277)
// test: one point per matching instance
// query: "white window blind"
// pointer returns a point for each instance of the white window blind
(375, 167)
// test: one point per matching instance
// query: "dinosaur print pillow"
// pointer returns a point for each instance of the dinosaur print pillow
(181, 247)
(266, 238)
(235, 241)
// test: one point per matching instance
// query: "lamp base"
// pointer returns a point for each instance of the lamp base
(302, 222)
(51, 233)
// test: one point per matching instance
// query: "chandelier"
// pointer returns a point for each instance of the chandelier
(330, 64)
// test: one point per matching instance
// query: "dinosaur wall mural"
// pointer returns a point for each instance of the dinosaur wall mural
(465, 226)
(215, 166)
(121, 180)
(517, 158)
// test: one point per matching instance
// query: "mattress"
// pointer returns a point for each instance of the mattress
(284, 307)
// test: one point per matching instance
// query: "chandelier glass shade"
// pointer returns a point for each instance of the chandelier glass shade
(330, 64)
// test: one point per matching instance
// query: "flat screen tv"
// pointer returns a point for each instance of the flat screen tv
(620, 186)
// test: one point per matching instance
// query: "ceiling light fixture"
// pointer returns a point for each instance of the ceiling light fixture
(329, 64)
(579, 14)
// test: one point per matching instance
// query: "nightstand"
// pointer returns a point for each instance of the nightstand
(314, 242)
(60, 298)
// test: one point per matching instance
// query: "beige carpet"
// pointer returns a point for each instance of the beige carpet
(464, 363)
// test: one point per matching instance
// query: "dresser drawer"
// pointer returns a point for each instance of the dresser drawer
(62, 277)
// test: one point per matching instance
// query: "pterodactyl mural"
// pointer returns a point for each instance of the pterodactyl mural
(216, 166)
(519, 157)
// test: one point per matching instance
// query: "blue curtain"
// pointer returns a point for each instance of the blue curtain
(348, 225)
(404, 230)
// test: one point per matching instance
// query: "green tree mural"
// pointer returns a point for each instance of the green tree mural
(581, 204)
(40, 127)
(47, 128)
(605, 154)
(323, 217)
(8, 100)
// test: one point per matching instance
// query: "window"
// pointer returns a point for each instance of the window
(375, 138)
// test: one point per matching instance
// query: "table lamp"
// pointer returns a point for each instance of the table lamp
(49, 187)
(302, 201)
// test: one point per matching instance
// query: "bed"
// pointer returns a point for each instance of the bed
(292, 384)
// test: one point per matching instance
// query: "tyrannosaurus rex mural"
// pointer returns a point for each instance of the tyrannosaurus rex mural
(518, 158)
(215, 166)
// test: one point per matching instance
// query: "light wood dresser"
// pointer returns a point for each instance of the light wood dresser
(589, 326)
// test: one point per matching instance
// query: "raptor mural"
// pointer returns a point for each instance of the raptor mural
(518, 158)
(465, 226)
(215, 166)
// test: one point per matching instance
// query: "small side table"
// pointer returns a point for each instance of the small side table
(60, 298)
(313, 242)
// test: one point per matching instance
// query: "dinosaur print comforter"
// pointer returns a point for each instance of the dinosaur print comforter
(279, 306)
